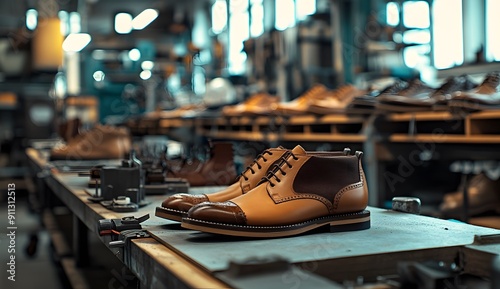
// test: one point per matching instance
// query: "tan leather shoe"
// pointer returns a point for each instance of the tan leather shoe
(304, 192)
(336, 101)
(484, 197)
(257, 104)
(300, 105)
(99, 143)
(177, 206)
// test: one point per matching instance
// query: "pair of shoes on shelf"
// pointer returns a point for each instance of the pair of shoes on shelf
(282, 193)
(483, 195)
(102, 142)
(456, 94)
(418, 96)
(484, 97)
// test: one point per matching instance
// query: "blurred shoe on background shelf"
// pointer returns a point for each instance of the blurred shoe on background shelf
(218, 170)
(406, 100)
(301, 104)
(365, 104)
(336, 101)
(100, 142)
(484, 97)
(483, 194)
(257, 104)
(440, 98)
(69, 129)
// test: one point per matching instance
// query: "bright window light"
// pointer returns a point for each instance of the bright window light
(64, 17)
(75, 22)
(219, 16)
(123, 23)
(417, 37)
(147, 65)
(285, 14)
(492, 24)
(416, 55)
(145, 74)
(448, 33)
(76, 42)
(238, 32)
(144, 19)
(416, 14)
(134, 54)
(257, 21)
(305, 8)
(31, 19)
(392, 13)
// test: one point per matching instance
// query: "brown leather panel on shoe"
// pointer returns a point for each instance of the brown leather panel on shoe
(183, 202)
(223, 212)
(316, 175)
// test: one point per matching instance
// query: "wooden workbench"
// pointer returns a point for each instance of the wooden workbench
(179, 258)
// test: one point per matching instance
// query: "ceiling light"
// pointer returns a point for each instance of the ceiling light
(76, 42)
(147, 65)
(144, 19)
(123, 23)
(145, 74)
(134, 54)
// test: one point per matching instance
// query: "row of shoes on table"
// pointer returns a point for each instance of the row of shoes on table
(456, 93)
(105, 142)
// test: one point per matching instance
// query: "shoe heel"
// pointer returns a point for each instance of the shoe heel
(336, 228)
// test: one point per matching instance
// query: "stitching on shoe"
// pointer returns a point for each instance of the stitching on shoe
(326, 202)
(173, 210)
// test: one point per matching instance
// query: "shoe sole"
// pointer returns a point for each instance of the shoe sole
(337, 223)
(170, 214)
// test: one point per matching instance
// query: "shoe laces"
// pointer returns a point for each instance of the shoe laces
(256, 162)
(271, 175)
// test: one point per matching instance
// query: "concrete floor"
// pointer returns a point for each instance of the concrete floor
(38, 270)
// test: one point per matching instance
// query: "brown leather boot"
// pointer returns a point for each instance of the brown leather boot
(304, 192)
(218, 170)
(69, 129)
(101, 142)
(176, 206)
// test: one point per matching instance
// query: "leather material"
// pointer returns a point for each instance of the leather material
(183, 202)
(218, 170)
(101, 142)
(487, 93)
(301, 104)
(336, 101)
(484, 196)
(275, 202)
(246, 181)
(260, 103)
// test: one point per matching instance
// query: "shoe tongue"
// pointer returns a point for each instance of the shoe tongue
(298, 150)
